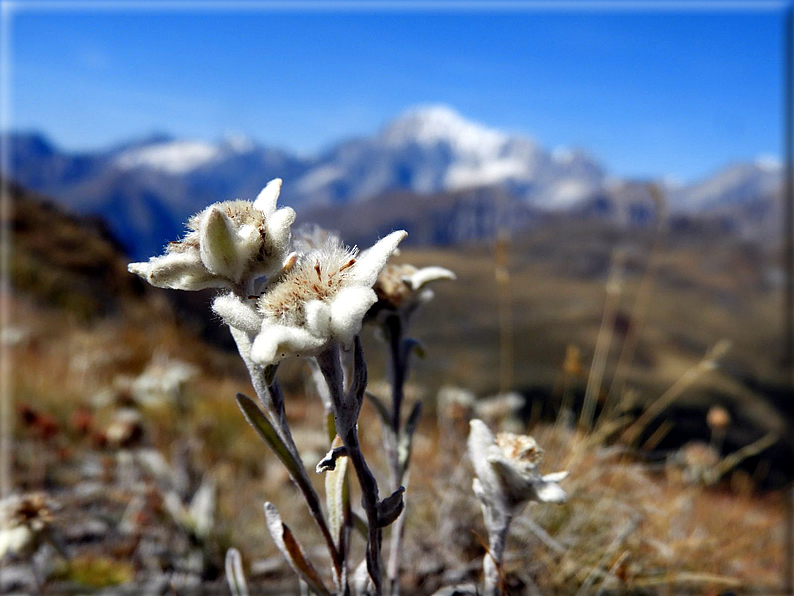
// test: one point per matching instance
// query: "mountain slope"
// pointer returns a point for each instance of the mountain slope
(147, 188)
(434, 149)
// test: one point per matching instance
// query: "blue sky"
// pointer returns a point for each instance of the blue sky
(648, 93)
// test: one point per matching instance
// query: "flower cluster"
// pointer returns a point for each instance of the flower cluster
(320, 298)
(303, 302)
(226, 244)
(507, 470)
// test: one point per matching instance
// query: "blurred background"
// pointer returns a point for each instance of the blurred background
(607, 186)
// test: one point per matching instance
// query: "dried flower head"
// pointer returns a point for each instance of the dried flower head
(718, 418)
(403, 288)
(507, 470)
(319, 299)
(521, 448)
(227, 244)
(572, 366)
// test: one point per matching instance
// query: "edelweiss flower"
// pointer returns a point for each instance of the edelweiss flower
(24, 521)
(402, 288)
(319, 299)
(227, 244)
(507, 472)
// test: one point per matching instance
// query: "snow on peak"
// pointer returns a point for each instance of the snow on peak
(238, 143)
(768, 163)
(172, 157)
(563, 155)
(435, 124)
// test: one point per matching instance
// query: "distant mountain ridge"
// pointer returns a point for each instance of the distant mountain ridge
(146, 188)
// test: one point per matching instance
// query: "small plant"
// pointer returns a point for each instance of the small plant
(281, 303)
(507, 479)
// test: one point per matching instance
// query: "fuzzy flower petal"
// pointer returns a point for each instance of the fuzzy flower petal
(267, 198)
(276, 342)
(348, 310)
(429, 274)
(548, 491)
(222, 251)
(238, 313)
(318, 318)
(177, 271)
(278, 225)
(371, 261)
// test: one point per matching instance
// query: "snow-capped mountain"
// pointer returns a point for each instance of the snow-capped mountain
(181, 157)
(734, 185)
(434, 149)
(146, 188)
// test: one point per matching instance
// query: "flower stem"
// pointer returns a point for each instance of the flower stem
(346, 407)
(399, 372)
(498, 525)
(398, 369)
(272, 399)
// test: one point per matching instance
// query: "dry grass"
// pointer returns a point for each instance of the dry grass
(628, 526)
(632, 523)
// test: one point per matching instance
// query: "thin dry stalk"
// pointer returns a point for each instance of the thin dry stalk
(612, 573)
(644, 292)
(708, 363)
(502, 272)
(687, 578)
(737, 457)
(603, 341)
(616, 544)
(657, 436)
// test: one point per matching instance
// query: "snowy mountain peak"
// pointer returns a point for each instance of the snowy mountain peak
(435, 124)
(171, 157)
(768, 163)
(238, 143)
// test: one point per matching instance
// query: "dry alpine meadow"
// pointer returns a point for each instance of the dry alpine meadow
(263, 408)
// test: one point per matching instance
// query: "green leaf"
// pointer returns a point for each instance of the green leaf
(292, 551)
(330, 426)
(265, 429)
(234, 573)
(335, 496)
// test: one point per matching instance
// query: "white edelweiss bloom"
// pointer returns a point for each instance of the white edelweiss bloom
(507, 470)
(322, 299)
(403, 288)
(226, 244)
(23, 522)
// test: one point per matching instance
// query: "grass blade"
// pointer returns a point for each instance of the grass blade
(292, 551)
